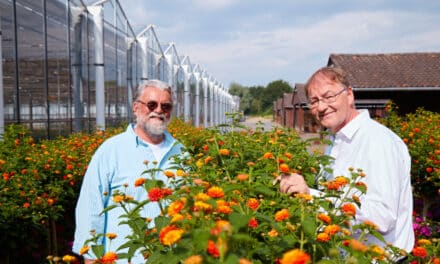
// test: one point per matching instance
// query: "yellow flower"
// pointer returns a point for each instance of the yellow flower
(180, 173)
(84, 250)
(118, 198)
(69, 258)
(201, 197)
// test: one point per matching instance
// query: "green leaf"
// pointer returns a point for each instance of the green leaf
(309, 225)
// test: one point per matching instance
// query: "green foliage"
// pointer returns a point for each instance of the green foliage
(257, 100)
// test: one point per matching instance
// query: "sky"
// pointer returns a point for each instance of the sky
(255, 42)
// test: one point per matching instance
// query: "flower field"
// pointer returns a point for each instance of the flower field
(224, 207)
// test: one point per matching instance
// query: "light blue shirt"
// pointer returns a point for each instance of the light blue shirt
(119, 161)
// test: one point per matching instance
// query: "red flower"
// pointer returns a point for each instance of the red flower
(212, 249)
(253, 223)
(420, 252)
(155, 194)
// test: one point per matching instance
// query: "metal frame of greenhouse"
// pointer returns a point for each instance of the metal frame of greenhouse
(73, 65)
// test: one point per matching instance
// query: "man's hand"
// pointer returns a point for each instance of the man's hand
(293, 183)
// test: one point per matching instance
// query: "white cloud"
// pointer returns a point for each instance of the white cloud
(212, 4)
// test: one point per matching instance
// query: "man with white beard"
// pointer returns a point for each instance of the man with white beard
(119, 161)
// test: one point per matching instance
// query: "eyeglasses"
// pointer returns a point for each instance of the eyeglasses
(152, 105)
(313, 102)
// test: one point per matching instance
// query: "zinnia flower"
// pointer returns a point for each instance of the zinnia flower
(324, 218)
(253, 203)
(109, 257)
(212, 249)
(253, 223)
(155, 194)
(196, 259)
(215, 192)
(295, 256)
(175, 207)
(349, 209)
(170, 235)
(420, 252)
(169, 174)
(332, 229)
(224, 152)
(284, 168)
(282, 215)
(322, 237)
(139, 182)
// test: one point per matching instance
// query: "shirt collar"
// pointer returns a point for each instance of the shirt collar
(353, 126)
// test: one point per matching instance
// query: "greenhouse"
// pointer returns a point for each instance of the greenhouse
(72, 66)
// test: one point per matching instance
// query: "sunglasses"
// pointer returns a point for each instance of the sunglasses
(152, 105)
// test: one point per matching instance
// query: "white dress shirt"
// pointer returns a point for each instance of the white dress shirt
(366, 144)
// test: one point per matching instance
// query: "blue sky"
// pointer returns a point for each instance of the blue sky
(254, 42)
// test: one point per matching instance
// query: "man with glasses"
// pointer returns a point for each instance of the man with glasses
(119, 161)
(361, 142)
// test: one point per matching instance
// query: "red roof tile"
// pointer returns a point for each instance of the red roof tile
(390, 70)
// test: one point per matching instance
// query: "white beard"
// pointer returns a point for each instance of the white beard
(154, 124)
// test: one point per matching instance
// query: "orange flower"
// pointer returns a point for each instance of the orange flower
(253, 203)
(139, 182)
(215, 192)
(322, 237)
(195, 259)
(224, 209)
(268, 155)
(355, 245)
(282, 215)
(341, 180)
(371, 224)
(84, 250)
(244, 261)
(170, 235)
(242, 177)
(175, 207)
(111, 235)
(332, 229)
(224, 152)
(295, 256)
(420, 252)
(284, 168)
(349, 209)
(272, 233)
(109, 257)
(26, 205)
(169, 174)
(324, 218)
(208, 159)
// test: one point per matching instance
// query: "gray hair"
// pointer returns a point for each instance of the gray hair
(152, 83)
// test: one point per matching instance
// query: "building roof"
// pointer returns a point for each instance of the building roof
(287, 100)
(390, 70)
(299, 96)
